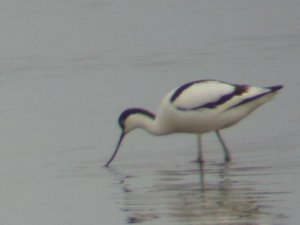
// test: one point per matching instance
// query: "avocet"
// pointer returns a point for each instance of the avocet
(197, 107)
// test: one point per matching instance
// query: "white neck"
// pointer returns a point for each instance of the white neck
(151, 125)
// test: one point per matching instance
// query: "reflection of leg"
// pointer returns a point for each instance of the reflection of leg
(202, 182)
(226, 151)
(200, 156)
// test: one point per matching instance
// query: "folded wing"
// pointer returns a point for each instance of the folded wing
(211, 94)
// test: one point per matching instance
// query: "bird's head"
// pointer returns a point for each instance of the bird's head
(129, 120)
(132, 118)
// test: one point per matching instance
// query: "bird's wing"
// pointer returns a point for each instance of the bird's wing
(201, 94)
(252, 94)
(210, 94)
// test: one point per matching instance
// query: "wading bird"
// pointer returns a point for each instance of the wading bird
(197, 107)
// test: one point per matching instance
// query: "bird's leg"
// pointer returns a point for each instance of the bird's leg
(200, 155)
(227, 155)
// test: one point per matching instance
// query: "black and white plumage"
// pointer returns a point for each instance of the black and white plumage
(197, 107)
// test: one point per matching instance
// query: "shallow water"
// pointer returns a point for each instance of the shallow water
(68, 68)
(252, 189)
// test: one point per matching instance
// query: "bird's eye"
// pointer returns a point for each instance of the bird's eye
(122, 123)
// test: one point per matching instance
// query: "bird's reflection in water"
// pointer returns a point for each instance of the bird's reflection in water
(196, 195)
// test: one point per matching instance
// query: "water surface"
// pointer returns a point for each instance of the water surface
(68, 68)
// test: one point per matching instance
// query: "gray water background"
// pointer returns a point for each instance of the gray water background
(68, 68)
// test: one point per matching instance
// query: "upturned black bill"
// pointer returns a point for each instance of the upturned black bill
(116, 151)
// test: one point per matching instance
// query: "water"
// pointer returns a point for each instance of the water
(68, 68)
(254, 189)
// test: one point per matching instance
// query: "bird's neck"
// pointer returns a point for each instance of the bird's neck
(150, 124)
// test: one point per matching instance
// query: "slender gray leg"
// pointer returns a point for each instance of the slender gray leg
(200, 156)
(227, 155)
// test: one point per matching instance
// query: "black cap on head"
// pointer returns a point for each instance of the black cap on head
(126, 113)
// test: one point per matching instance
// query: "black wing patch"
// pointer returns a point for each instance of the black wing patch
(184, 87)
(238, 90)
(250, 99)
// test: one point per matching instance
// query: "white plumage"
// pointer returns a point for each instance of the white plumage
(197, 107)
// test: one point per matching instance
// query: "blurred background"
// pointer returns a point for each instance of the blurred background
(69, 68)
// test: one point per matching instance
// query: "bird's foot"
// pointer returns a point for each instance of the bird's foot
(198, 160)
(227, 159)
